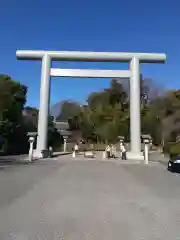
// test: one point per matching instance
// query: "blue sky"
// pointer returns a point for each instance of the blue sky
(96, 25)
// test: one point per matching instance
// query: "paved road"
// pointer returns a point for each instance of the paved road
(88, 200)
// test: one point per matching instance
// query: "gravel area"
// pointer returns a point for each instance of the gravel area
(65, 199)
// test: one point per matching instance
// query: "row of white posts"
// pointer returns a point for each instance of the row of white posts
(146, 148)
(146, 151)
(32, 139)
(32, 136)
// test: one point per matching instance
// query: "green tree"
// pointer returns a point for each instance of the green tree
(31, 123)
(160, 117)
(30, 116)
(98, 98)
(12, 100)
(106, 114)
(54, 137)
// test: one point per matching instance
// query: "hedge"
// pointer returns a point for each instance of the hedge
(175, 149)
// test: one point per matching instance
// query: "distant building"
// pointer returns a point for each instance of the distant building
(63, 128)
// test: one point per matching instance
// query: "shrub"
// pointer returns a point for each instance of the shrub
(167, 146)
(174, 149)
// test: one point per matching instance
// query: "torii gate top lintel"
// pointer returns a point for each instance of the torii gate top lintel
(92, 56)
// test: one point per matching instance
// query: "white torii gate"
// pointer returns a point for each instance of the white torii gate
(134, 74)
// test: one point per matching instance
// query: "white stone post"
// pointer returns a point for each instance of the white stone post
(120, 147)
(44, 105)
(135, 121)
(146, 153)
(65, 144)
(73, 154)
(31, 151)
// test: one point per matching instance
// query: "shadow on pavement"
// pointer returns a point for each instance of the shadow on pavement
(57, 154)
(14, 159)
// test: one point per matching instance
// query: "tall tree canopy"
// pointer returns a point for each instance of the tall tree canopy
(103, 118)
(31, 124)
(12, 100)
(106, 115)
(16, 120)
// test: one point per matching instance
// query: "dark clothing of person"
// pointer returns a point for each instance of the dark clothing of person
(108, 154)
(123, 155)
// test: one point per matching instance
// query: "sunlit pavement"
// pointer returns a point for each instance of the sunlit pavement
(69, 198)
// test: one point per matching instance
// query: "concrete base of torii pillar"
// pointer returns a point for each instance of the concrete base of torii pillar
(134, 156)
(37, 154)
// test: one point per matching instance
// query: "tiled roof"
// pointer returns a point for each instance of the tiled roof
(64, 132)
(62, 125)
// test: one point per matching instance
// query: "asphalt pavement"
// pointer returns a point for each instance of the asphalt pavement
(75, 199)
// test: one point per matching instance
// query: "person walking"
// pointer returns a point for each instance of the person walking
(76, 148)
(123, 150)
(50, 151)
(108, 151)
(113, 151)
